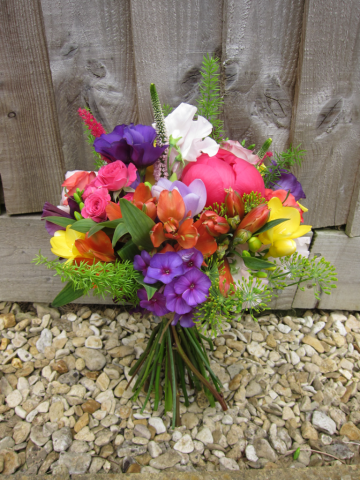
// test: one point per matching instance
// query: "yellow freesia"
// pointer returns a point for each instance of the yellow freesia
(280, 238)
(63, 243)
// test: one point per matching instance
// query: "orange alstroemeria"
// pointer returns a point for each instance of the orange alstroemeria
(113, 211)
(170, 205)
(206, 243)
(168, 248)
(98, 247)
(225, 277)
(187, 234)
(144, 200)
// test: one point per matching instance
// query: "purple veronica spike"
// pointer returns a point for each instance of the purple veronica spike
(193, 286)
(165, 266)
(142, 262)
(130, 144)
(186, 321)
(156, 304)
(174, 301)
(191, 258)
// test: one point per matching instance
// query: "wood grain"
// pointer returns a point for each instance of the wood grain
(353, 220)
(91, 60)
(260, 56)
(344, 253)
(21, 280)
(31, 162)
(170, 40)
(326, 116)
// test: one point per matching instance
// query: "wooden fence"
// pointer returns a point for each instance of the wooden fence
(290, 70)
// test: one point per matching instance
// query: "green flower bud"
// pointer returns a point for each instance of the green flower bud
(260, 274)
(234, 221)
(81, 205)
(241, 236)
(254, 244)
(78, 216)
(245, 253)
(77, 197)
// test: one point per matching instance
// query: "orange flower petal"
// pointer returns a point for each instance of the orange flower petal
(206, 243)
(157, 235)
(170, 204)
(142, 193)
(98, 246)
(113, 211)
(225, 277)
(167, 248)
(187, 235)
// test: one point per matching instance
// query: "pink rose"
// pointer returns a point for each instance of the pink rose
(115, 176)
(95, 205)
(73, 180)
(241, 152)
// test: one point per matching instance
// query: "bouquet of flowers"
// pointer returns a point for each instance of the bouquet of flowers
(178, 221)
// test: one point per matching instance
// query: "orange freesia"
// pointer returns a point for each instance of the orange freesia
(113, 211)
(225, 277)
(157, 235)
(187, 234)
(97, 247)
(170, 205)
(206, 243)
(144, 200)
(215, 225)
(234, 203)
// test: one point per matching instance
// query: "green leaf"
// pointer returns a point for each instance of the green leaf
(120, 230)
(138, 223)
(256, 263)
(297, 453)
(68, 294)
(150, 289)
(95, 229)
(83, 225)
(128, 251)
(271, 224)
(112, 223)
(61, 221)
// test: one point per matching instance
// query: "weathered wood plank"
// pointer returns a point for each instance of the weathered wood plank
(91, 60)
(170, 40)
(21, 238)
(327, 102)
(344, 253)
(31, 162)
(260, 56)
(353, 220)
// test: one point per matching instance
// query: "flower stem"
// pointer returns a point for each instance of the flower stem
(157, 377)
(173, 378)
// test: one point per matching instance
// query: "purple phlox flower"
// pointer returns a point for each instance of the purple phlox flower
(288, 181)
(186, 321)
(174, 301)
(191, 258)
(194, 195)
(193, 286)
(142, 262)
(165, 266)
(130, 144)
(156, 304)
(50, 210)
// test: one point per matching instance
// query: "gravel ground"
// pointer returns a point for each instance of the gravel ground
(290, 381)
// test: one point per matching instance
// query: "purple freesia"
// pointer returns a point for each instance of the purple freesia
(194, 195)
(165, 266)
(142, 262)
(156, 304)
(174, 301)
(287, 181)
(186, 321)
(191, 258)
(130, 144)
(193, 286)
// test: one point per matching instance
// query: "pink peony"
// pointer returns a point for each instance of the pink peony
(241, 152)
(115, 176)
(95, 205)
(222, 171)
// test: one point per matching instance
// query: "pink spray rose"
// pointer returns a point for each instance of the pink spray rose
(73, 180)
(95, 205)
(222, 171)
(239, 151)
(115, 176)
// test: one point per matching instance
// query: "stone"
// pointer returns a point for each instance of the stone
(253, 389)
(228, 464)
(351, 431)
(205, 436)
(44, 341)
(132, 451)
(264, 450)
(323, 423)
(7, 320)
(190, 420)
(76, 463)
(56, 411)
(251, 453)
(50, 459)
(96, 465)
(93, 342)
(167, 460)
(82, 422)
(21, 432)
(154, 449)
(122, 351)
(313, 342)
(255, 349)
(37, 436)
(158, 424)
(90, 406)
(94, 360)
(11, 461)
(142, 431)
(235, 345)
(14, 399)
(339, 450)
(104, 438)
(308, 431)
(62, 439)
(7, 443)
(103, 382)
(185, 444)
(60, 366)
(85, 434)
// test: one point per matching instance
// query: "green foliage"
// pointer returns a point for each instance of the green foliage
(138, 224)
(252, 200)
(158, 115)
(284, 161)
(61, 221)
(68, 294)
(118, 280)
(167, 110)
(98, 161)
(210, 102)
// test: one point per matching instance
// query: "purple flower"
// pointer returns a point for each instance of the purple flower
(193, 286)
(130, 144)
(194, 195)
(156, 304)
(288, 181)
(174, 301)
(165, 266)
(191, 258)
(142, 262)
(186, 321)
(50, 210)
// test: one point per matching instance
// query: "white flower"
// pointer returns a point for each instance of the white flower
(194, 133)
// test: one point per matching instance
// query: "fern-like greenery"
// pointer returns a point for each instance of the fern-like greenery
(284, 161)
(210, 102)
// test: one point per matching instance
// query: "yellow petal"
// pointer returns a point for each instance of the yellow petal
(302, 230)
(304, 209)
(72, 235)
(282, 248)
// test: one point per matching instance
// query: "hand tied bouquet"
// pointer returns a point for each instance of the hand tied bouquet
(180, 222)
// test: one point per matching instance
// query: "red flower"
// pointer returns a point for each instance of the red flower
(90, 121)
(144, 200)
(254, 220)
(225, 277)
(222, 171)
(234, 204)
(281, 195)
(97, 247)
(206, 243)
(215, 225)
